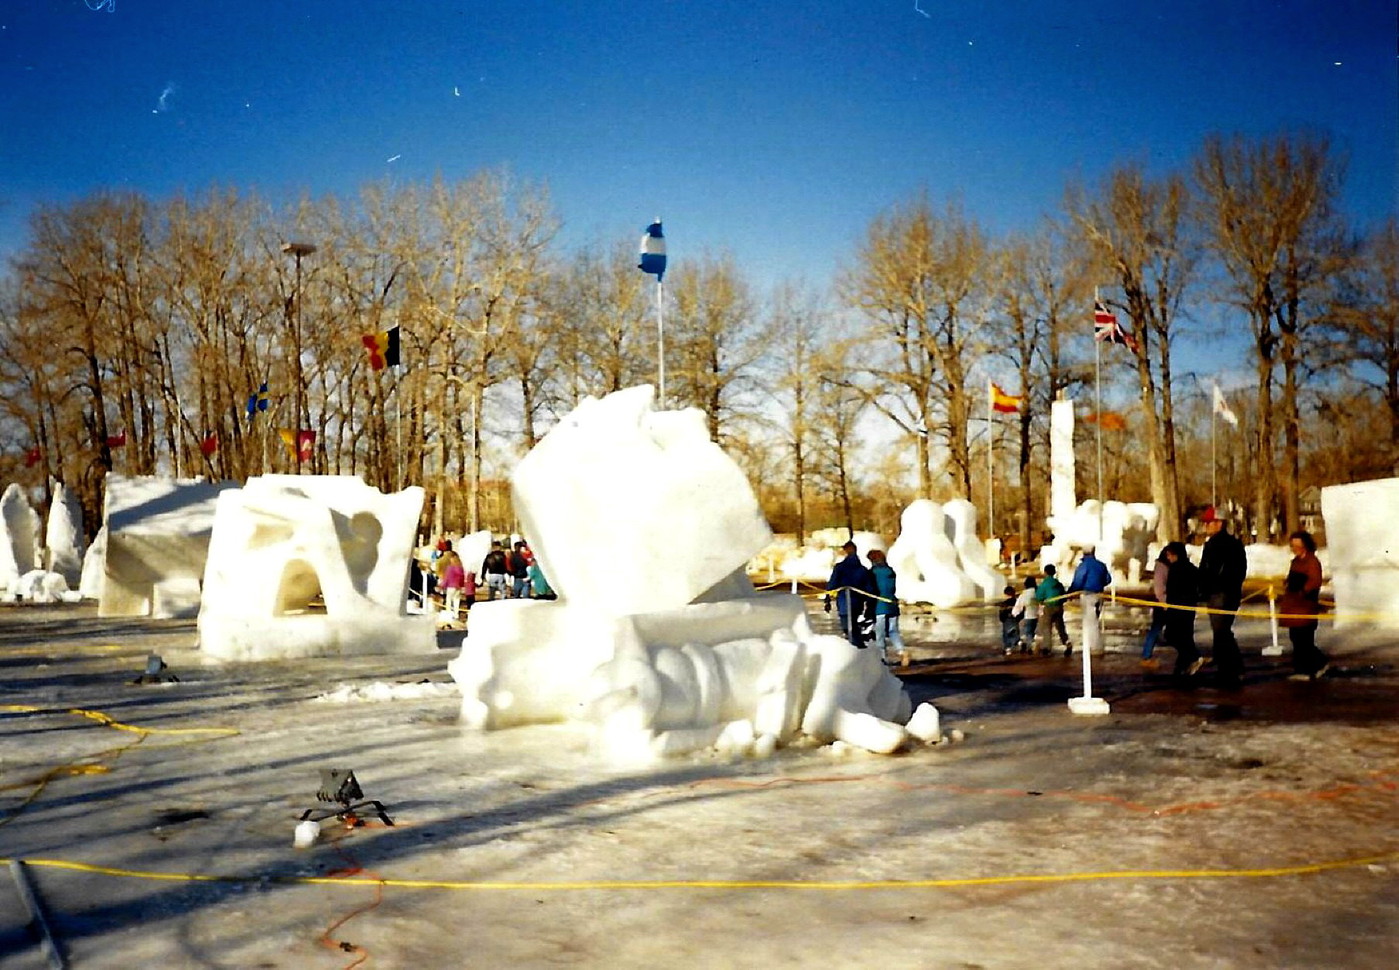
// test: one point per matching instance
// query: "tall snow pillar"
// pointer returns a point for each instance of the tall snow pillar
(1062, 500)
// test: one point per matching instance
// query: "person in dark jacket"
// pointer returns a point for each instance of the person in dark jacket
(1301, 601)
(494, 567)
(1182, 590)
(1223, 566)
(1090, 579)
(886, 609)
(520, 558)
(848, 577)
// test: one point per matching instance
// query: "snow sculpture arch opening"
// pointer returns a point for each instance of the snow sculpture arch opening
(658, 642)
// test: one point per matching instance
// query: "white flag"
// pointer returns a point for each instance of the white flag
(1221, 407)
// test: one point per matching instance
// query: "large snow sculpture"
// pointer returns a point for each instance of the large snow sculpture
(643, 526)
(63, 536)
(19, 529)
(157, 536)
(971, 551)
(925, 560)
(311, 566)
(1362, 539)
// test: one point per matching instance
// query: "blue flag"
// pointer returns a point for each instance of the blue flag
(653, 251)
(258, 401)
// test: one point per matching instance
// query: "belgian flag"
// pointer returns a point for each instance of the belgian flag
(383, 348)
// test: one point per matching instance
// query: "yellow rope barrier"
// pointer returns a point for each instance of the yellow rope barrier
(613, 885)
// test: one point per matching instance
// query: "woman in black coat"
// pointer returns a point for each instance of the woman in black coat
(1182, 589)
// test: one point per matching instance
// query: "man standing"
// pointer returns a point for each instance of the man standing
(1223, 566)
(494, 568)
(848, 576)
(1090, 579)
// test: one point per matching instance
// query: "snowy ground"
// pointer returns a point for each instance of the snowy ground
(1167, 834)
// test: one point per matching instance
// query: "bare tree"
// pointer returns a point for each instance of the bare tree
(1138, 232)
(918, 280)
(1269, 206)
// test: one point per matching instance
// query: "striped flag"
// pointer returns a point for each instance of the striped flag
(653, 251)
(1003, 402)
(1107, 329)
(383, 348)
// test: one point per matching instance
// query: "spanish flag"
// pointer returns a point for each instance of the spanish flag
(1003, 402)
(383, 348)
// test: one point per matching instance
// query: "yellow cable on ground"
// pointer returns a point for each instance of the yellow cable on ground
(106, 720)
(607, 885)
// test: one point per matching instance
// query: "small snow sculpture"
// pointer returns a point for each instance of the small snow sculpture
(39, 586)
(63, 536)
(157, 531)
(925, 560)
(94, 567)
(311, 566)
(1362, 543)
(19, 530)
(658, 639)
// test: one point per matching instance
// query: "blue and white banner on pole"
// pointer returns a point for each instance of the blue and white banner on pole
(653, 251)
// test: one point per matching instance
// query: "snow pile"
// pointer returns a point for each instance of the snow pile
(311, 566)
(380, 691)
(63, 536)
(40, 586)
(1126, 535)
(157, 532)
(813, 562)
(658, 641)
(1362, 532)
(19, 531)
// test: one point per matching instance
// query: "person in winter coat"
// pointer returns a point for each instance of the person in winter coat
(1299, 605)
(1223, 566)
(886, 608)
(453, 581)
(1159, 572)
(520, 558)
(848, 578)
(494, 568)
(1027, 611)
(1090, 579)
(1050, 594)
(1182, 589)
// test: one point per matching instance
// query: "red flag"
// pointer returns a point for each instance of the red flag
(117, 440)
(32, 456)
(210, 444)
(1110, 420)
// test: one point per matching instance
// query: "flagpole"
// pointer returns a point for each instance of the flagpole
(1213, 462)
(398, 431)
(660, 338)
(990, 465)
(1098, 407)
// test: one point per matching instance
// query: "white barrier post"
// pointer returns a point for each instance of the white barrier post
(794, 586)
(1088, 704)
(1274, 649)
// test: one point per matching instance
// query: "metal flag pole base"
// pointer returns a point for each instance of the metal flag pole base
(1088, 705)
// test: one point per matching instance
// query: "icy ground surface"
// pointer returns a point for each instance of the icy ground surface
(526, 835)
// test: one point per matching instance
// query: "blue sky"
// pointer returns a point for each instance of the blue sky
(775, 130)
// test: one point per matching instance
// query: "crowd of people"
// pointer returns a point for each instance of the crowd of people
(504, 574)
(1032, 618)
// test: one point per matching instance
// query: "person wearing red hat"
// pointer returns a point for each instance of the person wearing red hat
(1223, 566)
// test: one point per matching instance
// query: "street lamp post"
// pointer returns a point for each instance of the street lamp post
(297, 250)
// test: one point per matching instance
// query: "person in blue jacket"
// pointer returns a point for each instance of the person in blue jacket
(1090, 579)
(848, 576)
(886, 608)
